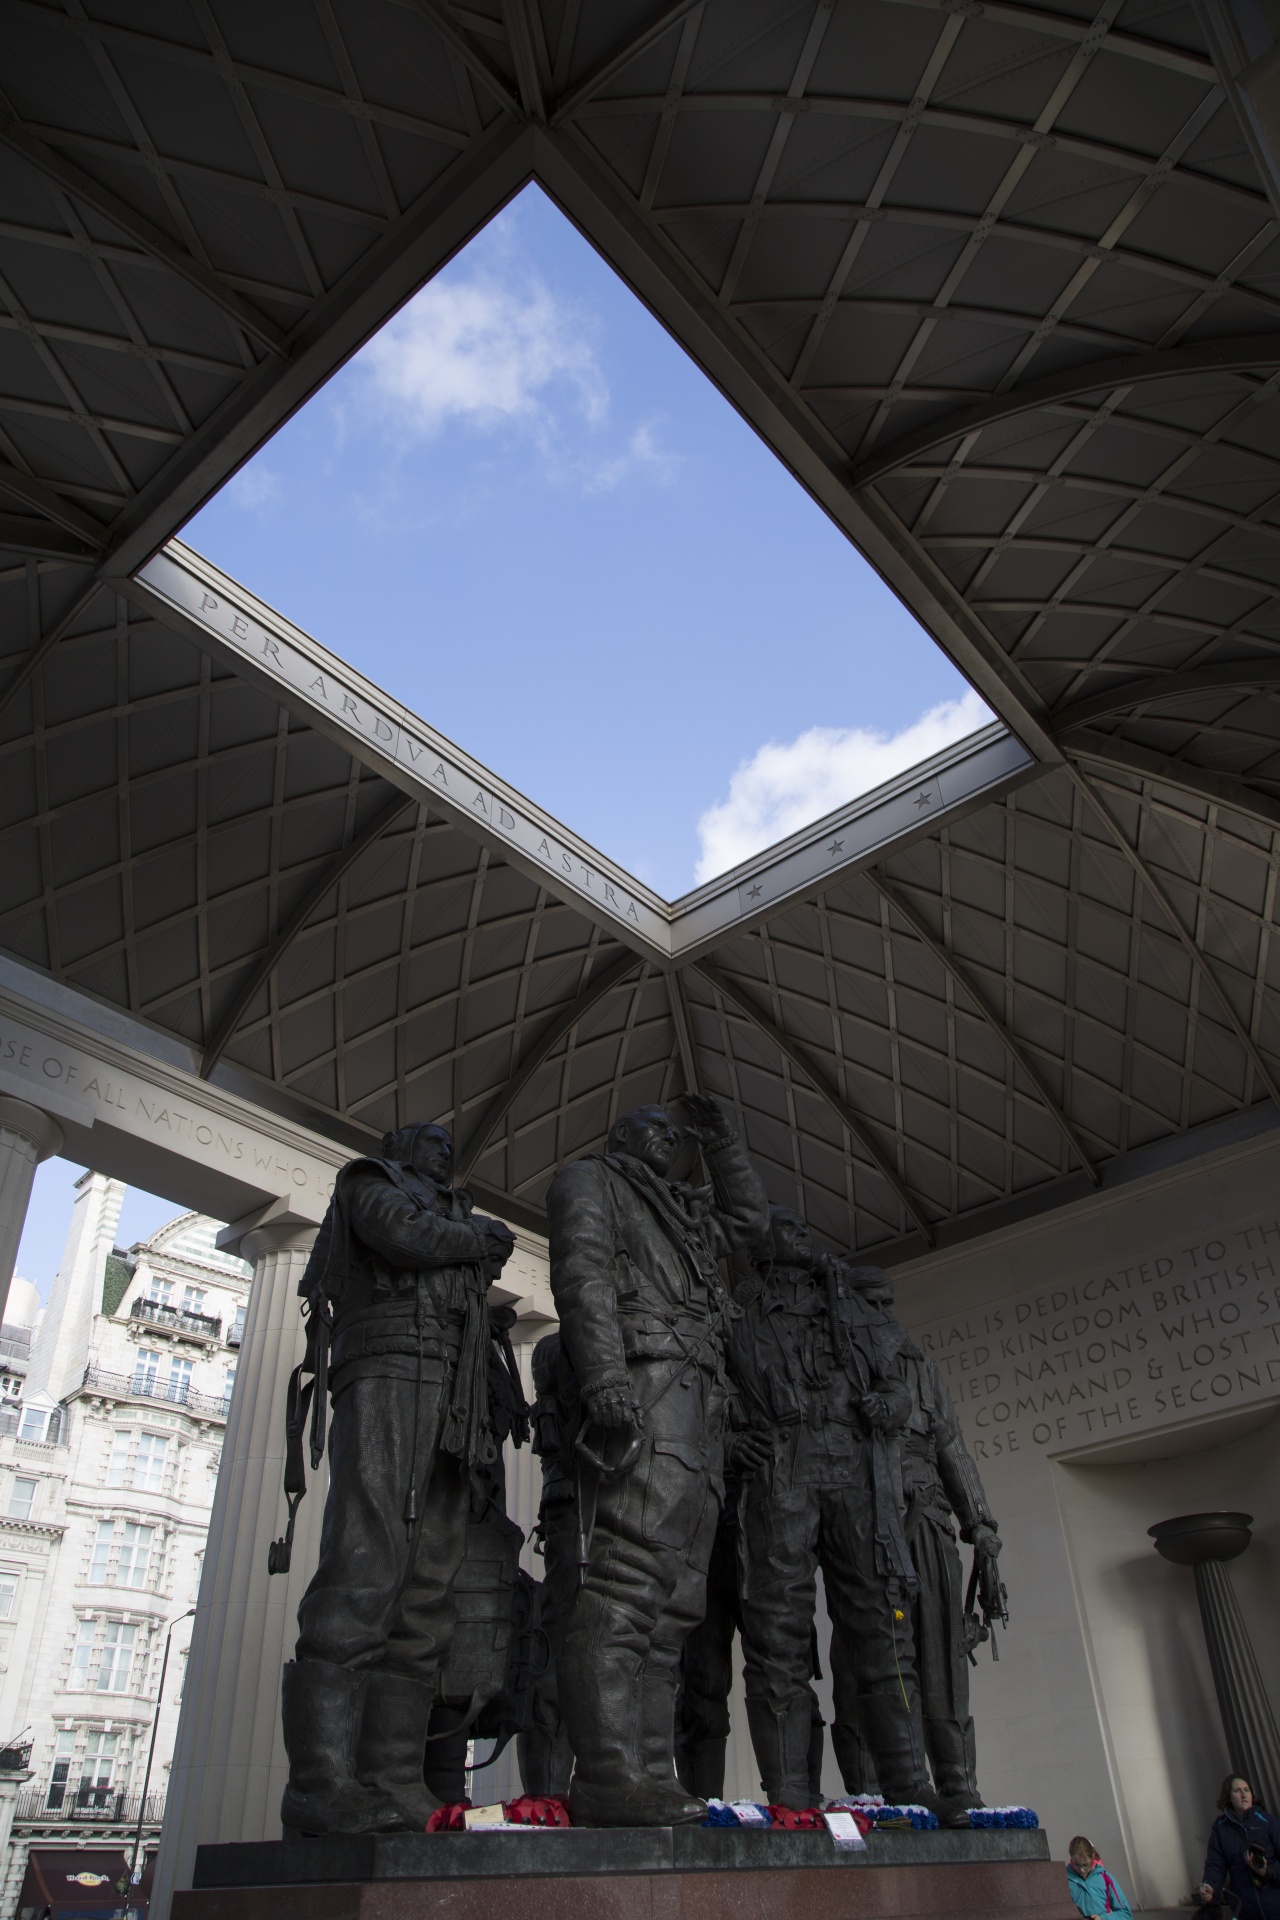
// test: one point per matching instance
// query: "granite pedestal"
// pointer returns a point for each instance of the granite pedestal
(633, 1873)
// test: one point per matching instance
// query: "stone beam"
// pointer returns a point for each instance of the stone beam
(128, 1101)
(130, 1112)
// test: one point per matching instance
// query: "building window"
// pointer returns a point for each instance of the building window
(148, 1468)
(159, 1292)
(146, 1369)
(122, 1553)
(138, 1463)
(39, 1425)
(100, 1563)
(236, 1336)
(63, 1754)
(102, 1665)
(97, 1768)
(22, 1497)
(118, 1465)
(178, 1384)
(96, 1772)
(193, 1300)
(228, 1383)
(8, 1595)
(86, 1634)
(182, 1672)
(159, 1381)
(134, 1562)
(116, 1663)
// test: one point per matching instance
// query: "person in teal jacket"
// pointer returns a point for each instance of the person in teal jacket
(1096, 1894)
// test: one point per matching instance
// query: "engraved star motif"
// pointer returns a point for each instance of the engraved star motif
(753, 893)
(923, 799)
(837, 846)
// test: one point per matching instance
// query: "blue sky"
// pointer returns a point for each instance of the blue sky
(49, 1216)
(525, 512)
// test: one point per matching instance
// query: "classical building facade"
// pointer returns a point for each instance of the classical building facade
(107, 1472)
(22, 1316)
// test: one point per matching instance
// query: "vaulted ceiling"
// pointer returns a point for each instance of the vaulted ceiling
(999, 283)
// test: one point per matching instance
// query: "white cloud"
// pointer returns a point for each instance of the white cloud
(643, 456)
(502, 351)
(256, 489)
(784, 787)
(484, 353)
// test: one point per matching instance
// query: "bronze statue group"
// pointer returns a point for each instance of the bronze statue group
(723, 1412)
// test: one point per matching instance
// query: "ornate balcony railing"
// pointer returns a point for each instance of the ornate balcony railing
(99, 1806)
(147, 1386)
(177, 1319)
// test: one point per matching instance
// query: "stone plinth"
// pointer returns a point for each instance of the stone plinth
(683, 1873)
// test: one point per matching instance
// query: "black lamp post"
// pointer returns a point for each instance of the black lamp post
(1205, 1542)
(136, 1873)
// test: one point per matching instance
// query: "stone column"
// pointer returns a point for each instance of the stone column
(1205, 1542)
(12, 1782)
(229, 1766)
(27, 1136)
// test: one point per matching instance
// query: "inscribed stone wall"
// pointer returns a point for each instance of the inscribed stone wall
(1187, 1329)
(1094, 1356)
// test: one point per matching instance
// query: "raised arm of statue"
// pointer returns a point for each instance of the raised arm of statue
(583, 1254)
(742, 1206)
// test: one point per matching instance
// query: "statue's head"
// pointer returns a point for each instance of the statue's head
(648, 1134)
(873, 1283)
(788, 1242)
(425, 1147)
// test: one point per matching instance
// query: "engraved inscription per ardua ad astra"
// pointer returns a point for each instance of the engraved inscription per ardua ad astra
(428, 760)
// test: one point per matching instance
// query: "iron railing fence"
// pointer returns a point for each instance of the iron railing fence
(146, 1386)
(84, 1806)
(177, 1318)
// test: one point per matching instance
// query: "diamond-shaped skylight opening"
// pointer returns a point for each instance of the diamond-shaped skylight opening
(526, 513)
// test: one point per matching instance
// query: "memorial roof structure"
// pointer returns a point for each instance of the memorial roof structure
(999, 283)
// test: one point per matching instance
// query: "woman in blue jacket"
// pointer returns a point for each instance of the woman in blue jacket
(1095, 1893)
(1244, 1853)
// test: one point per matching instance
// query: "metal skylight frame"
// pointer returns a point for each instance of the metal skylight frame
(192, 596)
